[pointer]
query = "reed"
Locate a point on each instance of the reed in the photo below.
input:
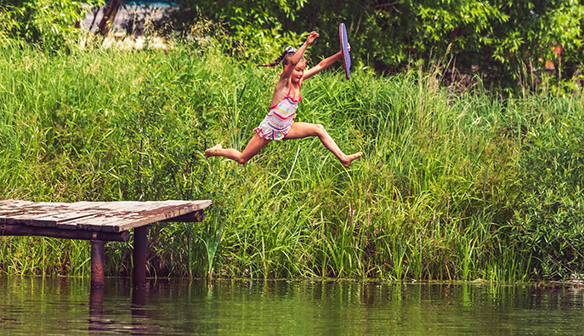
(437, 195)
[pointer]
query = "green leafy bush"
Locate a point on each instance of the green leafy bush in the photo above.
(48, 23)
(549, 224)
(495, 38)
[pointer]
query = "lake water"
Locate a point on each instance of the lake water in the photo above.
(66, 306)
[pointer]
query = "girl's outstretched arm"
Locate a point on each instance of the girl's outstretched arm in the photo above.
(325, 63)
(294, 59)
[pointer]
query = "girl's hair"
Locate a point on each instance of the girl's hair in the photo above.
(282, 59)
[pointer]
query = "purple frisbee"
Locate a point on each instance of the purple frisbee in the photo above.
(345, 50)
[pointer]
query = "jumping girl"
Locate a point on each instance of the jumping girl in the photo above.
(279, 123)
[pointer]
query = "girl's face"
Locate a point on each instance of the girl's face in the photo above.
(298, 72)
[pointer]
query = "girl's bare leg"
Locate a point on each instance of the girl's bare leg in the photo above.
(253, 147)
(303, 130)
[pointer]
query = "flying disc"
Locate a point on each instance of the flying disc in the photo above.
(345, 50)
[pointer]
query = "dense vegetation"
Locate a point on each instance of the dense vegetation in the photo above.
(451, 186)
(454, 184)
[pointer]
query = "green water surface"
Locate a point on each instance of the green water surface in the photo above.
(65, 306)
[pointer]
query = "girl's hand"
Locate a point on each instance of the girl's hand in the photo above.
(311, 37)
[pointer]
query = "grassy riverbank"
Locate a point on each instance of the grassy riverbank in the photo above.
(460, 186)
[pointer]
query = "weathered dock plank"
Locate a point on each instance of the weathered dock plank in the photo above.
(97, 216)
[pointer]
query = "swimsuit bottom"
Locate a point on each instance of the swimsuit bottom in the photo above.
(274, 126)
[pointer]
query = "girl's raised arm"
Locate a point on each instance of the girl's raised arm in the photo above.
(294, 59)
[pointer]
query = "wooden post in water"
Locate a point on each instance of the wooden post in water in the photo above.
(97, 263)
(139, 255)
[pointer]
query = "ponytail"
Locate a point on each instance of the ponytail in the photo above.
(289, 50)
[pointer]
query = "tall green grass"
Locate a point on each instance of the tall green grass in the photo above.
(442, 190)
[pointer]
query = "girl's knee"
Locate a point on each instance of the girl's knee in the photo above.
(319, 129)
(242, 159)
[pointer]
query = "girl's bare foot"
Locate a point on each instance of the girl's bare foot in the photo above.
(213, 150)
(346, 162)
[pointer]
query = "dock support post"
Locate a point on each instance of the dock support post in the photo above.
(97, 263)
(139, 255)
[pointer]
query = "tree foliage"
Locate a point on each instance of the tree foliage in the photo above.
(497, 37)
(493, 37)
(47, 22)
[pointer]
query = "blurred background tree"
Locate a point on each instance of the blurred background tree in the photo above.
(47, 23)
(501, 40)
(494, 37)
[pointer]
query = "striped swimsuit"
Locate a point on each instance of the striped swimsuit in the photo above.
(277, 123)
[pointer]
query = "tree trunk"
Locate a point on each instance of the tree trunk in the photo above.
(109, 14)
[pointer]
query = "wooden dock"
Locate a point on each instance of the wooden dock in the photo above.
(98, 222)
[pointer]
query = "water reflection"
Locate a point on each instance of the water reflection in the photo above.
(96, 309)
(70, 306)
(104, 319)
